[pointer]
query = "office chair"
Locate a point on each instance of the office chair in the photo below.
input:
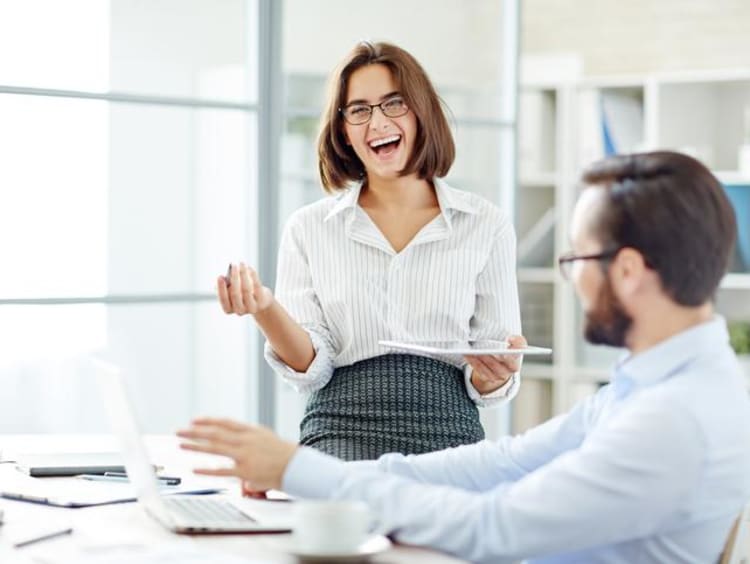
(735, 549)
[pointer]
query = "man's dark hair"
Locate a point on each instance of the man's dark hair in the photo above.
(670, 208)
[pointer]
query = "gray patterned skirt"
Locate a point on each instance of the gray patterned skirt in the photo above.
(392, 403)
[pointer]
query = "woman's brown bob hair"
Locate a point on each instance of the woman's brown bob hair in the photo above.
(434, 149)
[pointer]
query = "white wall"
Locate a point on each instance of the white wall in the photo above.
(615, 37)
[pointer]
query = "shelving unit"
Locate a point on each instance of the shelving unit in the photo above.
(563, 128)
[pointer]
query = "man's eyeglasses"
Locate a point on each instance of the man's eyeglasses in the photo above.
(566, 261)
(360, 113)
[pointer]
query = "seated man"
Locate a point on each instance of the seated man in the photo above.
(654, 467)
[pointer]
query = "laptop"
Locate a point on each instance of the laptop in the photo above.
(180, 514)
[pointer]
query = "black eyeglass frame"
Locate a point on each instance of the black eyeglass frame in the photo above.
(372, 107)
(567, 259)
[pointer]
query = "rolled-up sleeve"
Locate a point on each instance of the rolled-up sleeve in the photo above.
(497, 312)
(295, 292)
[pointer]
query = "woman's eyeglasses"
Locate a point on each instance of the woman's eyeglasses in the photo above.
(359, 113)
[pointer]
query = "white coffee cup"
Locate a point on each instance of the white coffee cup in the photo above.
(330, 527)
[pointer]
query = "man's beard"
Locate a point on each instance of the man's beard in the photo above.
(607, 323)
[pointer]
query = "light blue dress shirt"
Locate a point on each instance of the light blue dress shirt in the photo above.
(653, 468)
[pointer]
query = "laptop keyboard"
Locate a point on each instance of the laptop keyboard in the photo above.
(201, 510)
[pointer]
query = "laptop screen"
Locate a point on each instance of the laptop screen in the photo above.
(122, 419)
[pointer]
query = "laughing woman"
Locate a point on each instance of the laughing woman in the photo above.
(397, 254)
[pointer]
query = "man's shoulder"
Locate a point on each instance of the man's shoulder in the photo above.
(708, 392)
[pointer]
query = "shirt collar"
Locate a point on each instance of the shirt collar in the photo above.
(448, 199)
(662, 360)
(452, 199)
(346, 200)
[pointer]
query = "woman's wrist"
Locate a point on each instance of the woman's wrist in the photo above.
(484, 387)
(263, 314)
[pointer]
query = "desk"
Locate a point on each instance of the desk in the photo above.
(98, 529)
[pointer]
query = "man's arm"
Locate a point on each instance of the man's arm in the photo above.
(622, 483)
(484, 465)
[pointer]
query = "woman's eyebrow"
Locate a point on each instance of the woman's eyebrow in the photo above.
(384, 97)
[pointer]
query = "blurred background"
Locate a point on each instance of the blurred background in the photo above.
(144, 145)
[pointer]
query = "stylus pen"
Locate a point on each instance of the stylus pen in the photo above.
(104, 478)
(50, 535)
(169, 480)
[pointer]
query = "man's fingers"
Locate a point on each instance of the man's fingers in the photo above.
(208, 448)
(212, 436)
(217, 471)
(222, 422)
(249, 491)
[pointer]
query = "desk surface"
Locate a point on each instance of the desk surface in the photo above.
(98, 531)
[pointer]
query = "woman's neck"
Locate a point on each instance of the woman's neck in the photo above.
(408, 192)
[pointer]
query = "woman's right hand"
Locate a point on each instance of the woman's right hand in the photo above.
(241, 291)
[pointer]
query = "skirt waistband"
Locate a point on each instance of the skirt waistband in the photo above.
(391, 403)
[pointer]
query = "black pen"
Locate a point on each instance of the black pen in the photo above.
(50, 535)
(168, 480)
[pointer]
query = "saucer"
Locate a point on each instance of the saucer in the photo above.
(373, 545)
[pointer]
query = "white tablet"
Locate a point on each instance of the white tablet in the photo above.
(463, 348)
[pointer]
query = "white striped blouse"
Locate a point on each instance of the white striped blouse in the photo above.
(341, 280)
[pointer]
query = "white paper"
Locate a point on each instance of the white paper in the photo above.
(167, 553)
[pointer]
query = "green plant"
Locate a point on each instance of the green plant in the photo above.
(739, 336)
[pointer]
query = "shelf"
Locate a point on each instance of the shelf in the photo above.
(560, 131)
(736, 281)
(613, 82)
(544, 275)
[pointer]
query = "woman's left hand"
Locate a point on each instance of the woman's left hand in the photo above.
(490, 372)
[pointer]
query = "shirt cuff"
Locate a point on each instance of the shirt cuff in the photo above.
(502, 395)
(312, 474)
(317, 374)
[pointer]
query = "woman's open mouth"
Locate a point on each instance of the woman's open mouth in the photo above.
(386, 146)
